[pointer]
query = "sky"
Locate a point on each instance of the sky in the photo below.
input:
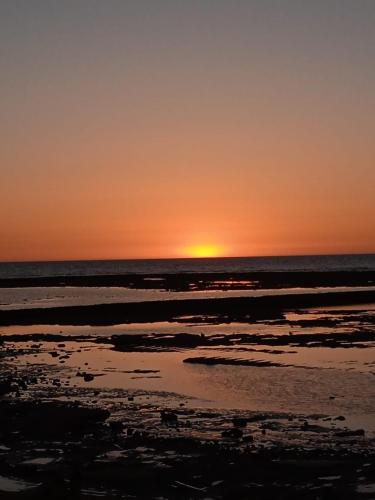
(160, 128)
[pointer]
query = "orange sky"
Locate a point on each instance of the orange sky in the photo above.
(129, 133)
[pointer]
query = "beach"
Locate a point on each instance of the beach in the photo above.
(262, 391)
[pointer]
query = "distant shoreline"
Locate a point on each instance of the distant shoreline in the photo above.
(185, 281)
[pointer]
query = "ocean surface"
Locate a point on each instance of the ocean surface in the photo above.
(358, 262)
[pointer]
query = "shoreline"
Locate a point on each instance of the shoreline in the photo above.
(163, 445)
(134, 415)
(245, 309)
(202, 280)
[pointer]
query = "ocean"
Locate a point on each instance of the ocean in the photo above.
(355, 262)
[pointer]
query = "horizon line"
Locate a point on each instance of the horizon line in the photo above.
(38, 261)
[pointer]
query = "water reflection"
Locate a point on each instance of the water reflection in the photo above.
(344, 388)
(36, 297)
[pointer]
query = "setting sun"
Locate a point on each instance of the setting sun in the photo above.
(204, 251)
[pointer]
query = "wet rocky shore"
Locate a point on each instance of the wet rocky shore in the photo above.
(245, 309)
(203, 281)
(59, 440)
(62, 442)
(64, 434)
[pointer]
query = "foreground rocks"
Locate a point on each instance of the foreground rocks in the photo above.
(123, 444)
(47, 420)
(62, 441)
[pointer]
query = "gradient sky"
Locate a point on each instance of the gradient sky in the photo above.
(134, 129)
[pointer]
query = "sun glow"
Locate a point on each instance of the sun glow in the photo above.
(204, 251)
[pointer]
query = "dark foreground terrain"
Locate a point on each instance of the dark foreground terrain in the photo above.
(63, 440)
(241, 309)
(183, 282)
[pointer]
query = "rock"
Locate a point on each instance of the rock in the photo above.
(22, 384)
(168, 417)
(116, 426)
(239, 422)
(6, 386)
(248, 439)
(349, 433)
(232, 433)
(50, 420)
(341, 418)
(87, 377)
